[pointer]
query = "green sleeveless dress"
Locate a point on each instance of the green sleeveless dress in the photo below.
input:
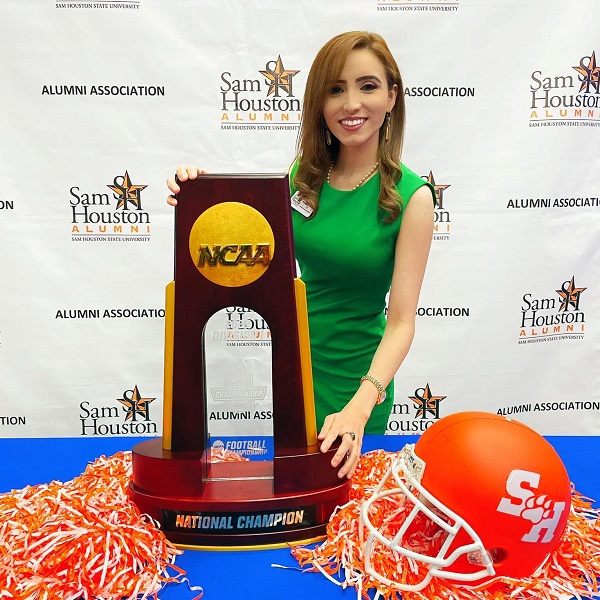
(346, 258)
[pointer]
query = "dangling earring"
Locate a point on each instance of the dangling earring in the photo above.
(327, 137)
(387, 127)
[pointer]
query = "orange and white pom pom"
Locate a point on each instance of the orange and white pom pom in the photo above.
(572, 570)
(83, 539)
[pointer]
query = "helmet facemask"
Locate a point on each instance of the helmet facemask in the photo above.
(425, 537)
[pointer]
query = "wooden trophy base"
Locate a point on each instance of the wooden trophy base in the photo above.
(240, 504)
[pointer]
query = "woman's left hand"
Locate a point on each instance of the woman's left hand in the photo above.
(349, 425)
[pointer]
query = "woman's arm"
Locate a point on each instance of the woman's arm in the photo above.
(412, 251)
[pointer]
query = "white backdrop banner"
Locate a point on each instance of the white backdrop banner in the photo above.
(101, 100)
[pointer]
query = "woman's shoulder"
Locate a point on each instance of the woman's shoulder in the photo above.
(410, 182)
(409, 178)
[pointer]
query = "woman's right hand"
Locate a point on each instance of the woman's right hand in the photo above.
(183, 173)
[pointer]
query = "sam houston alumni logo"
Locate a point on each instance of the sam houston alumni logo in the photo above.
(569, 97)
(262, 103)
(553, 318)
(130, 417)
(100, 216)
(441, 214)
(425, 409)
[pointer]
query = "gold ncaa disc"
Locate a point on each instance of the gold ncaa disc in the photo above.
(231, 244)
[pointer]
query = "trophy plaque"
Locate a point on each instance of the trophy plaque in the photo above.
(234, 247)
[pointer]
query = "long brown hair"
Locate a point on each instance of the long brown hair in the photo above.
(314, 155)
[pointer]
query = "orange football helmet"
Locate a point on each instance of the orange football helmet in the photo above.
(478, 496)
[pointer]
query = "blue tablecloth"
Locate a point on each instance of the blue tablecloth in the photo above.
(247, 575)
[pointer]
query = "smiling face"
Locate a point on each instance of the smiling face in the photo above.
(356, 105)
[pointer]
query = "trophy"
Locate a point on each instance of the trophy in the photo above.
(234, 247)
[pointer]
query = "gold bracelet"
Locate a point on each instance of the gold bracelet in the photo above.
(380, 389)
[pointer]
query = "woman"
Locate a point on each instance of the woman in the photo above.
(365, 229)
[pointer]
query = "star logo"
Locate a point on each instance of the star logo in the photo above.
(135, 405)
(426, 403)
(278, 78)
(589, 74)
(439, 190)
(569, 295)
(126, 192)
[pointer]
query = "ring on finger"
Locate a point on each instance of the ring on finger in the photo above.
(351, 434)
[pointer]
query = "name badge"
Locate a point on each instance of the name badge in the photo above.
(301, 206)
